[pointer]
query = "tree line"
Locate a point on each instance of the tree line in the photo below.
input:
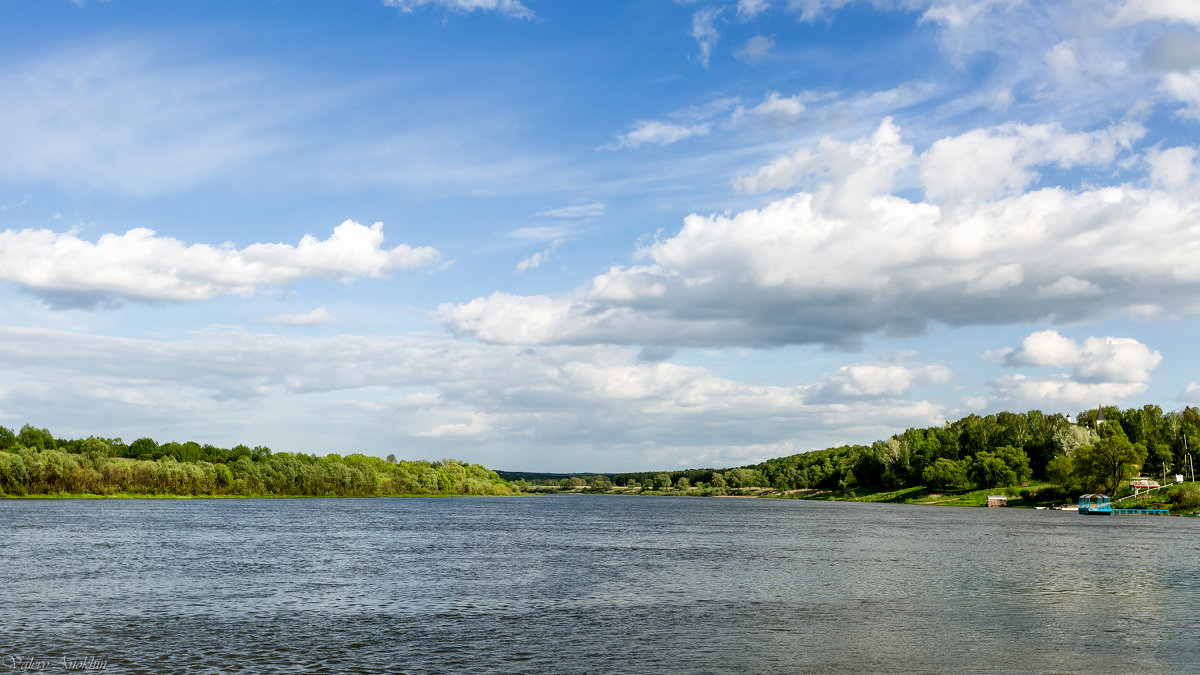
(33, 462)
(1095, 452)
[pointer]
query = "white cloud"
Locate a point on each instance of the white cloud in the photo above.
(592, 210)
(1097, 360)
(704, 30)
(564, 408)
(1103, 370)
(543, 232)
(1058, 393)
(881, 380)
(141, 265)
(997, 161)
(1182, 11)
(534, 261)
(848, 258)
(756, 49)
(512, 8)
(130, 118)
(1173, 169)
(314, 318)
(657, 132)
(845, 175)
(748, 9)
(1184, 88)
(776, 110)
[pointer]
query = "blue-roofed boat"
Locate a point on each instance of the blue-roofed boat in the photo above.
(1095, 505)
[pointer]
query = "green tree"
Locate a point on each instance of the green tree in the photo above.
(1016, 460)
(987, 470)
(683, 484)
(718, 480)
(944, 474)
(1061, 471)
(1114, 458)
(7, 438)
(143, 448)
(662, 481)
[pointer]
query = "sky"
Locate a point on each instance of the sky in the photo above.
(592, 236)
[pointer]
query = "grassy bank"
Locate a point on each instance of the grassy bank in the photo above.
(1182, 499)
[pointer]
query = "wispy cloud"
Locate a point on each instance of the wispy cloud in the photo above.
(104, 117)
(756, 49)
(314, 318)
(511, 8)
(704, 30)
(592, 210)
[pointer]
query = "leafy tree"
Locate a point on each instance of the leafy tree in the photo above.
(7, 438)
(34, 438)
(683, 483)
(1071, 437)
(1114, 458)
(987, 470)
(944, 474)
(1061, 471)
(718, 480)
(662, 481)
(143, 448)
(1017, 461)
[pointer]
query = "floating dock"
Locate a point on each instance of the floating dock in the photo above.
(1101, 505)
(1141, 512)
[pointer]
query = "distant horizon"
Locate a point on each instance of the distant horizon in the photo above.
(529, 233)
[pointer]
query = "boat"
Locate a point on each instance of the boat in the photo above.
(1095, 505)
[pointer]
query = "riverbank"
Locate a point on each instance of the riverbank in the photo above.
(1030, 496)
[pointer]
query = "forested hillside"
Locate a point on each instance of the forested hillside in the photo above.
(1004, 449)
(33, 462)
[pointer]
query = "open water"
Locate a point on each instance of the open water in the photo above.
(591, 584)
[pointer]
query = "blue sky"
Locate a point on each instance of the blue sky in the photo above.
(592, 236)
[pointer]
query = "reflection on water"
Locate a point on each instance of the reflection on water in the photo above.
(573, 583)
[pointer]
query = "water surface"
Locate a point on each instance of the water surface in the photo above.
(592, 584)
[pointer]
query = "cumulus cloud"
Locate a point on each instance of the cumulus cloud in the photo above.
(314, 318)
(996, 161)
(140, 265)
(1107, 359)
(1182, 11)
(512, 8)
(1103, 369)
(571, 407)
(848, 173)
(864, 381)
(849, 257)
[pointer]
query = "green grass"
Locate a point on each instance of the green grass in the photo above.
(136, 495)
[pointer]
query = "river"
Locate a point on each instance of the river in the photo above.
(590, 584)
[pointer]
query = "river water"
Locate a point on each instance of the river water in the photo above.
(591, 584)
